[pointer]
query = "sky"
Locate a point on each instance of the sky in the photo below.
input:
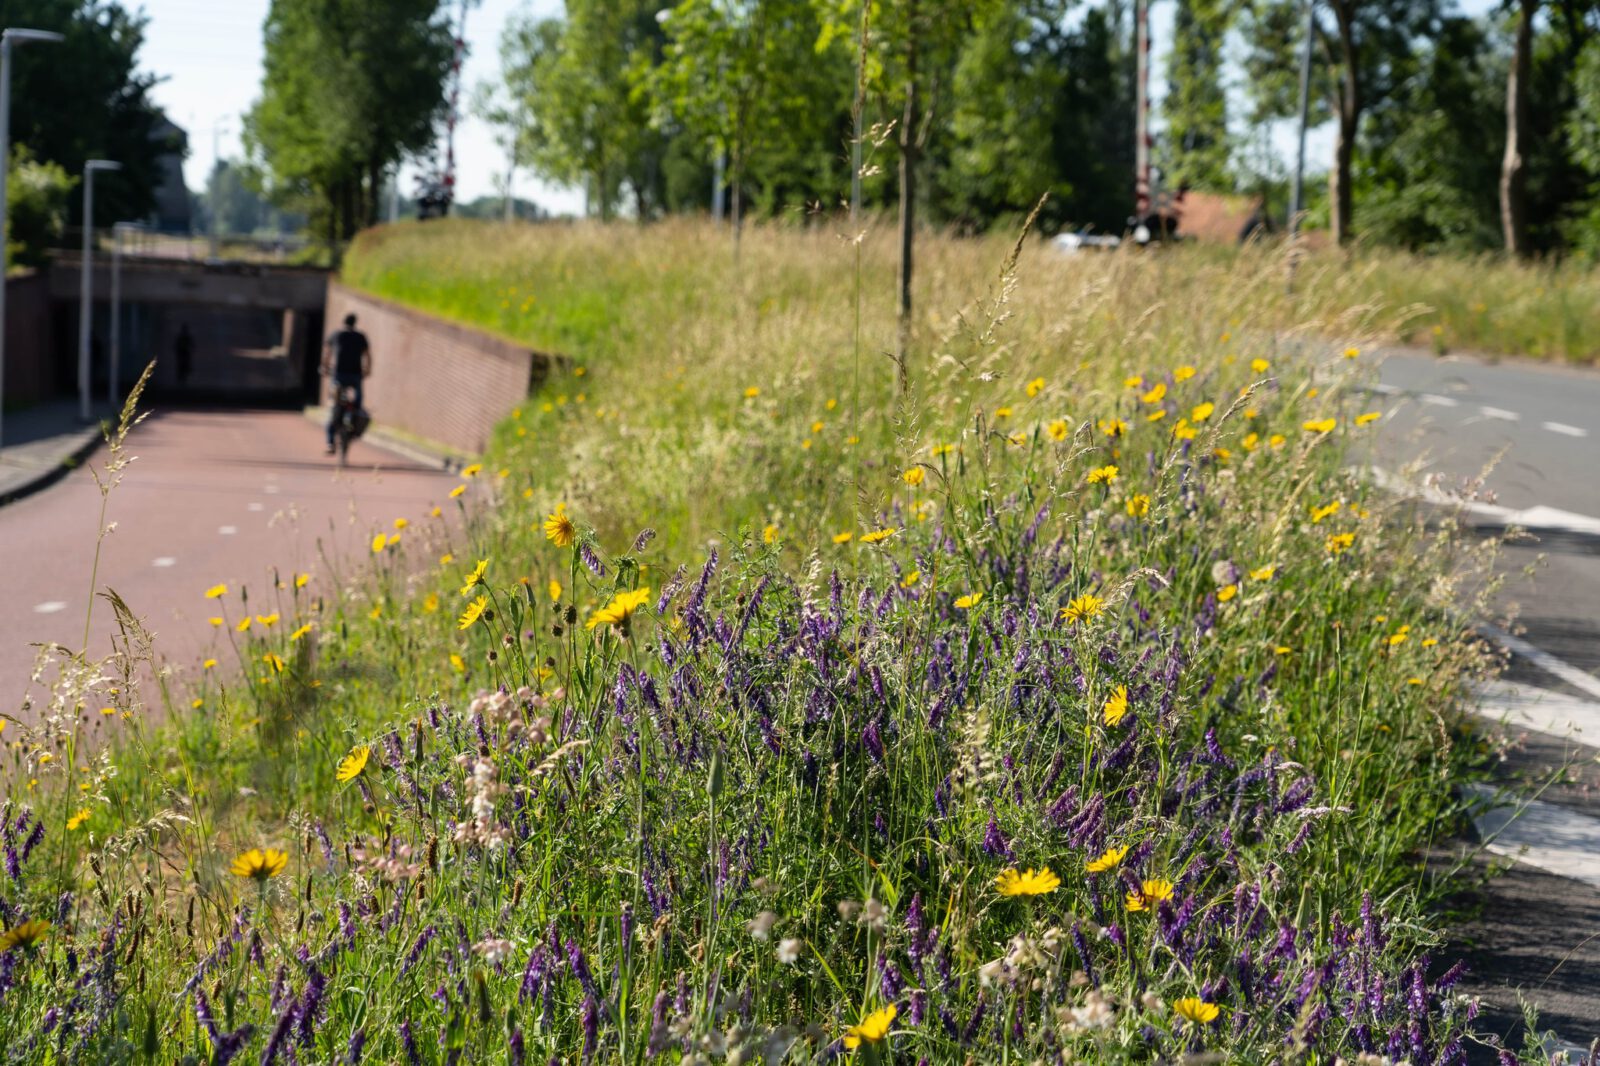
(209, 53)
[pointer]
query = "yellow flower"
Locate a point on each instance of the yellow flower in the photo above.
(817, 426)
(558, 528)
(1201, 412)
(379, 543)
(244, 625)
(1002, 412)
(457, 664)
(1183, 373)
(769, 535)
(1150, 893)
(1155, 395)
(216, 592)
(942, 449)
(878, 535)
(1276, 440)
(27, 935)
(430, 602)
(831, 404)
(1035, 387)
(1110, 859)
(1116, 708)
(619, 612)
(1263, 573)
(1138, 505)
(401, 523)
(1183, 430)
(554, 589)
(914, 476)
(1135, 382)
(1319, 425)
(1283, 649)
(1259, 366)
(215, 620)
(1113, 427)
(1368, 418)
(1196, 1010)
(301, 632)
(1351, 353)
(473, 612)
(871, 1029)
(1057, 429)
(436, 512)
(1157, 415)
(458, 490)
(1250, 441)
(843, 538)
(301, 581)
(1430, 642)
(1399, 636)
(1226, 593)
(77, 820)
(1319, 513)
(474, 579)
(1337, 543)
(267, 619)
(1102, 475)
(910, 579)
(259, 864)
(1027, 883)
(472, 471)
(273, 660)
(969, 601)
(1083, 608)
(208, 664)
(351, 765)
(752, 392)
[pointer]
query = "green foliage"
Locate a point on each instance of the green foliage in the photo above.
(1197, 148)
(351, 86)
(37, 195)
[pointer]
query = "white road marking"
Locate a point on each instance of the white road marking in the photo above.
(1580, 679)
(1531, 707)
(255, 507)
(1438, 401)
(49, 607)
(1556, 839)
(227, 531)
(1564, 429)
(164, 561)
(1387, 390)
(1501, 413)
(270, 490)
(1538, 518)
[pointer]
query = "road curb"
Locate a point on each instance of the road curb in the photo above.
(91, 439)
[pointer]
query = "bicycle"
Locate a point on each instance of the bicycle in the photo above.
(349, 423)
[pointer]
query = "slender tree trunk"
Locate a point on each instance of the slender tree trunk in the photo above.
(908, 195)
(374, 191)
(1348, 106)
(1513, 174)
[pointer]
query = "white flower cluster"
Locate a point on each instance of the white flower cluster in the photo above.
(493, 951)
(483, 789)
(1028, 962)
(504, 710)
(391, 868)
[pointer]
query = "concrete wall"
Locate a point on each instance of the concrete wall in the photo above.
(30, 340)
(435, 379)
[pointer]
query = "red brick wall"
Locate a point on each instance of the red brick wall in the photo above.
(435, 379)
(30, 340)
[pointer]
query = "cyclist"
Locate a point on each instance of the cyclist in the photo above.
(348, 360)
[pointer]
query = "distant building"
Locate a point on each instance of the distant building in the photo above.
(173, 212)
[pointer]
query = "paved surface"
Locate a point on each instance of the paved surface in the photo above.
(40, 444)
(1535, 429)
(220, 495)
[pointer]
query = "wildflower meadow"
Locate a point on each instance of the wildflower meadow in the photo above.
(1079, 702)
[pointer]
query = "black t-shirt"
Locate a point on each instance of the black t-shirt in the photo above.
(349, 345)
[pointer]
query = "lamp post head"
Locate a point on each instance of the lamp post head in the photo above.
(32, 37)
(93, 165)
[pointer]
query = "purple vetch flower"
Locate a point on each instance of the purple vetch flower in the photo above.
(1300, 838)
(1450, 978)
(873, 742)
(995, 842)
(227, 1046)
(1084, 958)
(514, 1047)
(591, 1027)
(310, 1008)
(586, 552)
(408, 1041)
(34, 839)
(890, 983)
(642, 541)
(917, 1010)
(280, 1033)
(415, 953)
(975, 1023)
(358, 1040)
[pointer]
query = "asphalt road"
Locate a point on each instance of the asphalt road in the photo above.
(215, 496)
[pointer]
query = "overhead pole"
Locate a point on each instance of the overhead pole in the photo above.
(1296, 199)
(1141, 111)
(114, 379)
(86, 283)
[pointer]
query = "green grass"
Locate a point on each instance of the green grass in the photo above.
(779, 802)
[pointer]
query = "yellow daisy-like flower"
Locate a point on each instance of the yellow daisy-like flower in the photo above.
(1112, 427)
(843, 538)
(1103, 475)
(817, 426)
(1134, 382)
(1156, 415)
(1338, 543)
(1351, 353)
(969, 601)
(871, 1029)
(1259, 366)
(456, 492)
(259, 864)
(1138, 505)
(752, 392)
(769, 535)
(1368, 418)
(26, 936)
(554, 589)
(1319, 513)
(1183, 430)
(302, 581)
(215, 620)
(430, 602)
(1196, 1010)
(401, 523)
(943, 449)
(379, 543)
(268, 619)
(558, 528)
(457, 664)
(473, 612)
(1201, 412)
(1155, 395)
(351, 765)
(1109, 859)
(1226, 593)
(208, 664)
(275, 661)
(1027, 882)
(77, 820)
(620, 611)
(474, 579)
(1083, 608)
(1116, 708)
(1183, 373)
(1002, 412)
(301, 632)
(1263, 573)
(1250, 442)
(1035, 387)
(1057, 429)
(878, 535)
(914, 476)
(911, 579)
(216, 592)
(472, 471)
(1277, 440)
(1150, 893)
(244, 624)
(1319, 425)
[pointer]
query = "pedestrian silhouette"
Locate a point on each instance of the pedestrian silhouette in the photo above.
(183, 354)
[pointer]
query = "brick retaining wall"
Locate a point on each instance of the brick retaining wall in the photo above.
(435, 379)
(30, 373)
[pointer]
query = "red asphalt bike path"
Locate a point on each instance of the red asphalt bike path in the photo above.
(236, 497)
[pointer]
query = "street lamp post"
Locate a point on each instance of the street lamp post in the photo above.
(7, 39)
(114, 382)
(1296, 198)
(86, 284)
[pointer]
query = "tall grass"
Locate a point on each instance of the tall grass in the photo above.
(1077, 704)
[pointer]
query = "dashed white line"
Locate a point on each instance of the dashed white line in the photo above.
(255, 507)
(1537, 518)
(1387, 390)
(1564, 429)
(1556, 839)
(227, 531)
(270, 490)
(1531, 707)
(49, 607)
(164, 561)
(1501, 413)
(1573, 676)
(1438, 401)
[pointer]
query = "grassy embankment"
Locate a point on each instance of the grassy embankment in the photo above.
(1094, 597)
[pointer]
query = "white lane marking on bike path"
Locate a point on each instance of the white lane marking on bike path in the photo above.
(1564, 429)
(1535, 518)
